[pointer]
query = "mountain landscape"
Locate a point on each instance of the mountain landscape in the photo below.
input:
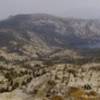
(45, 57)
(54, 31)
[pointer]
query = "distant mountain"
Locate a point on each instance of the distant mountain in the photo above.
(46, 31)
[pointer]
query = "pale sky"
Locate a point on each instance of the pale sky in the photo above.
(66, 8)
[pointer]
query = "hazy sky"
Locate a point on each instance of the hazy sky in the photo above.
(69, 8)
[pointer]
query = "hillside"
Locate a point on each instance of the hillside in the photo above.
(44, 57)
(53, 31)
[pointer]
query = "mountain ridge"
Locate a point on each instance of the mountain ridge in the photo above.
(51, 31)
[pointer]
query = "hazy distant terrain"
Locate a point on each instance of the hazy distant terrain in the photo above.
(43, 57)
(54, 31)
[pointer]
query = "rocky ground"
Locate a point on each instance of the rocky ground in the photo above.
(34, 80)
(43, 57)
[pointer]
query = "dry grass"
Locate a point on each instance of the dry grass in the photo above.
(80, 94)
(57, 97)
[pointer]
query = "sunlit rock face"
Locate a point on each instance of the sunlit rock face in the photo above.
(15, 95)
(56, 82)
